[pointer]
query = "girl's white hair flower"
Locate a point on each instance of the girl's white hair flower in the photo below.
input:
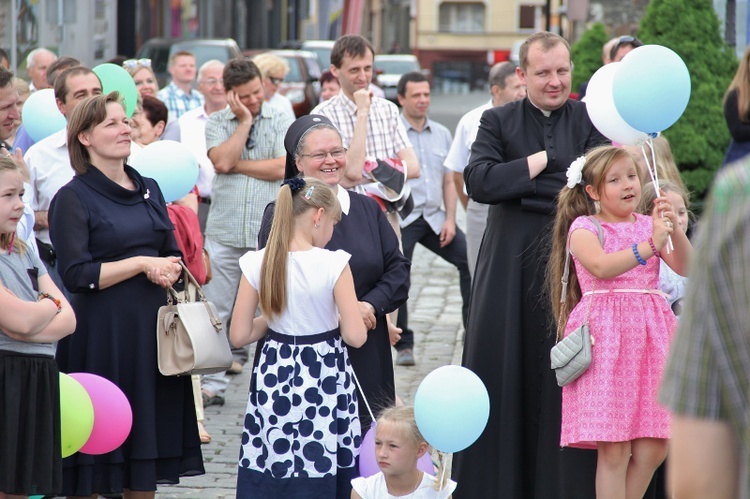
(575, 172)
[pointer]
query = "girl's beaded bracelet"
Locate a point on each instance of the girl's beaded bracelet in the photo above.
(48, 296)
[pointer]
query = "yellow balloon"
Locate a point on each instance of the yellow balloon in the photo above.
(76, 415)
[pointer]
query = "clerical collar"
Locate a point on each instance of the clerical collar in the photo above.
(546, 114)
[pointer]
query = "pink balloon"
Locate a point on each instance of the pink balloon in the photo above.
(368, 462)
(113, 417)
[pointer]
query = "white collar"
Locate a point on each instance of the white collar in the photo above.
(344, 199)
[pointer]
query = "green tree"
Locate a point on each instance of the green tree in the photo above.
(700, 137)
(587, 54)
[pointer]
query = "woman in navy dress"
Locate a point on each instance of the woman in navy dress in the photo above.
(117, 254)
(380, 270)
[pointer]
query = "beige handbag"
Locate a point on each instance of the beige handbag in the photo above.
(190, 338)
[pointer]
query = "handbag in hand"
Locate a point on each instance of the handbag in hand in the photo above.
(190, 338)
(571, 356)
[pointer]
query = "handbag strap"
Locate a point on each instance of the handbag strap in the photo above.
(566, 273)
(174, 297)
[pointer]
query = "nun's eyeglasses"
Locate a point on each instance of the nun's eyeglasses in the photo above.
(321, 156)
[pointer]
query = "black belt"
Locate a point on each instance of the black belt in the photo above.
(308, 339)
(204, 200)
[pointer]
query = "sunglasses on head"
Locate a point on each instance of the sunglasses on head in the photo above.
(622, 41)
(131, 63)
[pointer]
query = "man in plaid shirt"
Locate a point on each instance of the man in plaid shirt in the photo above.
(180, 96)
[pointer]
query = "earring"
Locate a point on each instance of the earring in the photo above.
(317, 226)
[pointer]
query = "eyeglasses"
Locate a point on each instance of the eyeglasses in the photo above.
(131, 63)
(321, 156)
(212, 82)
(250, 143)
(276, 81)
(624, 40)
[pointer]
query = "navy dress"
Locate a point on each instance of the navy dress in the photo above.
(381, 278)
(93, 220)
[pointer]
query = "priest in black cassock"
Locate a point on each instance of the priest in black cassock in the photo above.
(517, 165)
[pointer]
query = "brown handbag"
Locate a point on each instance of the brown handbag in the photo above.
(190, 337)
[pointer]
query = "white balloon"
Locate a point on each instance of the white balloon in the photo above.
(600, 105)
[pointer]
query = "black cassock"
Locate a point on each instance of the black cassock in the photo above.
(510, 330)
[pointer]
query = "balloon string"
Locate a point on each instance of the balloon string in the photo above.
(654, 173)
(442, 472)
(362, 393)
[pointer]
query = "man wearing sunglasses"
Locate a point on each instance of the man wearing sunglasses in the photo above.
(624, 45)
(245, 143)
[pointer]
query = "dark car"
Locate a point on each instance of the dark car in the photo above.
(159, 50)
(302, 84)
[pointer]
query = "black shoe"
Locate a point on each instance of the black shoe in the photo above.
(209, 400)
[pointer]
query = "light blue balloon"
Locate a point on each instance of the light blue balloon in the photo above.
(171, 164)
(451, 408)
(40, 115)
(651, 88)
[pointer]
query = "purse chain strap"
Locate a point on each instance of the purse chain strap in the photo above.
(566, 274)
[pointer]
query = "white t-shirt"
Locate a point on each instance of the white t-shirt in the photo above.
(310, 280)
(374, 487)
(282, 103)
(466, 132)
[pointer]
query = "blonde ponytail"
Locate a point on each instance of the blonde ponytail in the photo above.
(295, 198)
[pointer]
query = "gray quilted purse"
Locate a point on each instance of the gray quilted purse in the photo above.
(571, 356)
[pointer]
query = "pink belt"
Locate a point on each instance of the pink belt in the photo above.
(626, 290)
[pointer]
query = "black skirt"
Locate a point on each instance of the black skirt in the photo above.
(30, 447)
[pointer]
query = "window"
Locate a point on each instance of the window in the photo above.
(529, 17)
(461, 17)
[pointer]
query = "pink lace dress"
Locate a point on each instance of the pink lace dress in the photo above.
(615, 400)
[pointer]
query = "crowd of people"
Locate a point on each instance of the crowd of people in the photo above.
(310, 226)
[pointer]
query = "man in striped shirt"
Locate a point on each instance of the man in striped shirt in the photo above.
(370, 126)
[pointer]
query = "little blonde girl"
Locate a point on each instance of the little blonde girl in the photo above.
(613, 286)
(398, 447)
(672, 283)
(34, 314)
(302, 432)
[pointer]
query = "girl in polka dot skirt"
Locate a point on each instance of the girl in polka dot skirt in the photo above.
(302, 433)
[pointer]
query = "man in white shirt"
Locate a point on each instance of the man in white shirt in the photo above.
(192, 127)
(48, 160)
(37, 63)
(504, 87)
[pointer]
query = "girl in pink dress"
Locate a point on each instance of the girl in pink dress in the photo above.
(614, 286)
